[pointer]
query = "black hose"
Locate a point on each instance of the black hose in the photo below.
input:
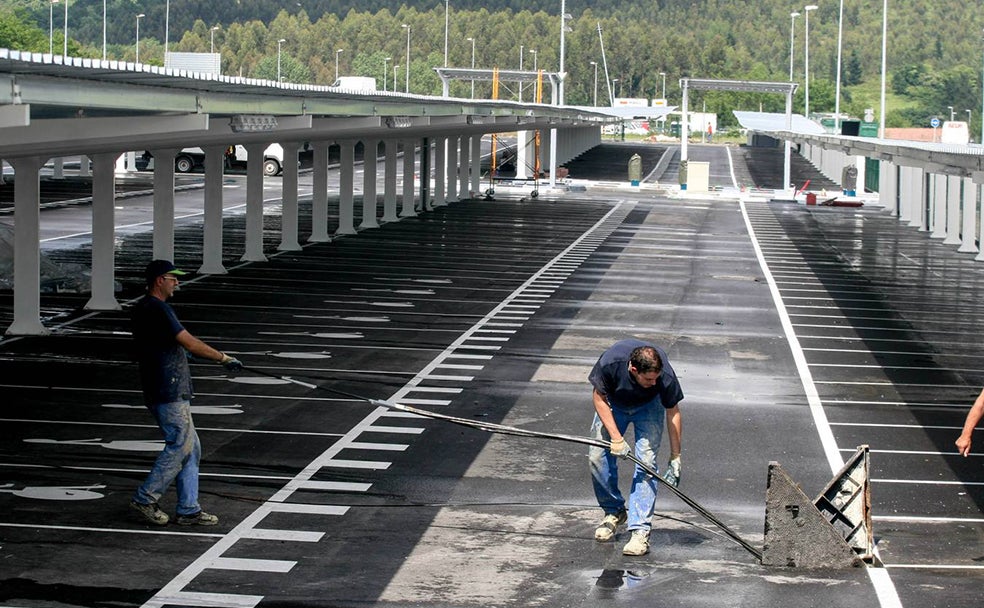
(510, 430)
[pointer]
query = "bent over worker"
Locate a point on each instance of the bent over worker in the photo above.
(162, 345)
(633, 384)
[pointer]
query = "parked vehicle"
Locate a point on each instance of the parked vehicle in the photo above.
(355, 83)
(191, 159)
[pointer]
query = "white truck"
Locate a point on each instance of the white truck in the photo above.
(355, 83)
(189, 159)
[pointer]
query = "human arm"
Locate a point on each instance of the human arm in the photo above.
(618, 447)
(202, 350)
(973, 417)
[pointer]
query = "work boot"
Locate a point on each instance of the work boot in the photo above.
(638, 544)
(151, 512)
(606, 529)
(198, 519)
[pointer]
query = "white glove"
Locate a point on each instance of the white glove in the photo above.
(672, 474)
(620, 448)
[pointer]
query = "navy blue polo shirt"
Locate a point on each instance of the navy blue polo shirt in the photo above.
(610, 377)
(164, 372)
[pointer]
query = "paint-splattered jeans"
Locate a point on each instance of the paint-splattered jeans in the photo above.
(177, 462)
(647, 423)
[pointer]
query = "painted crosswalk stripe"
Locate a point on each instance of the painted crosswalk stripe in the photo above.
(252, 565)
(301, 536)
(334, 486)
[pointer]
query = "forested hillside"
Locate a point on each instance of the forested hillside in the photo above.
(934, 46)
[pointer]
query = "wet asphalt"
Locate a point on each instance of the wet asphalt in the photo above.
(494, 311)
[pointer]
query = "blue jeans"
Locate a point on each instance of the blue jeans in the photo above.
(178, 461)
(647, 422)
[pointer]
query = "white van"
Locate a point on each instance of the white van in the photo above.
(189, 159)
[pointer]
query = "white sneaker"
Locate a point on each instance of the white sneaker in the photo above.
(638, 544)
(606, 529)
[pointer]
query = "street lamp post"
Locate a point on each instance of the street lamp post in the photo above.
(65, 35)
(279, 43)
(982, 100)
(337, 53)
(139, 17)
(663, 76)
(533, 52)
(884, 62)
(396, 67)
(447, 24)
(472, 40)
(952, 113)
(595, 64)
(211, 40)
(614, 82)
(521, 69)
(51, 26)
(406, 25)
(104, 30)
(385, 72)
(806, 104)
(792, 41)
(167, 26)
(837, 91)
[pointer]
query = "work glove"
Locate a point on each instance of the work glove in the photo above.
(672, 474)
(620, 448)
(231, 363)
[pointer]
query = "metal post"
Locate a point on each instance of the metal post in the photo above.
(139, 17)
(837, 93)
(881, 115)
(792, 41)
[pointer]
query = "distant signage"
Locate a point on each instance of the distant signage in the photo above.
(631, 102)
(934, 122)
(659, 103)
(955, 132)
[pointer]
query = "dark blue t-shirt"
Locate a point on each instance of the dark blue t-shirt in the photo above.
(164, 372)
(610, 377)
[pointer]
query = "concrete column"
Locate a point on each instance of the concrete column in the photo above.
(862, 166)
(463, 166)
(103, 280)
(887, 186)
(389, 182)
(476, 164)
(917, 192)
(58, 167)
(163, 247)
(84, 166)
(953, 198)
(905, 194)
(370, 150)
(346, 188)
(968, 231)
(212, 235)
(27, 248)
(409, 158)
(451, 175)
(440, 168)
(424, 169)
(319, 193)
(254, 205)
(288, 199)
(938, 206)
(523, 154)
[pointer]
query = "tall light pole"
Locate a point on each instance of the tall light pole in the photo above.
(663, 76)
(806, 105)
(407, 26)
(447, 24)
(279, 43)
(837, 88)
(884, 62)
(385, 72)
(167, 26)
(211, 36)
(792, 41)
(472, 40)
(104, 30)
(614, 82)
(952, 113)
(533, 52)
(337, 53)
(51, 26)
(139, 17)
(521, 69)
(595, 64)
(65, 35)
(396, 67)
(982, 100)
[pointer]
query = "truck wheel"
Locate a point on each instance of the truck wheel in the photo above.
(184, 164)
(271, 167)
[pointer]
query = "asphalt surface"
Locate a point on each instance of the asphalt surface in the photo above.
(495, 311)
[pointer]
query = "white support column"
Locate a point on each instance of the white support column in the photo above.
(523, 154)
(346, 187)
(476, 164)
(288, 199)
(906, 194)
(58, 168)
(440, 167)
(212, 234)
(131, 162)
(917, 188)
(463, 165)
(254, 205)
(319, 193)
(409, 158)
(938, 206)
(862, 165)
(84, 166)
(451, 175)
(953, 197)
(887, 186)
(163, 247)
(102, 278)
(389, 182)
(27, 248)
(370, 151)
(969, 230)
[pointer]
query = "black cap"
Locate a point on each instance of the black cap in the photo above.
(159, 267)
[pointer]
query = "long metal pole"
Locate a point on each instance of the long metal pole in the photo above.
(447, 24)
(595, 83)
(521, 69)
(982, 101)
(104, 30)
(51, 27)
(408, 59)
(806, 67)
(137, 49)
(792, 41)
(611, 95)
(65, 42)
(167, 28)
(837, 92)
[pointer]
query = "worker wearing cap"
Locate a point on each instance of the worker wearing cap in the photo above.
(633, 384)
(162, 348)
